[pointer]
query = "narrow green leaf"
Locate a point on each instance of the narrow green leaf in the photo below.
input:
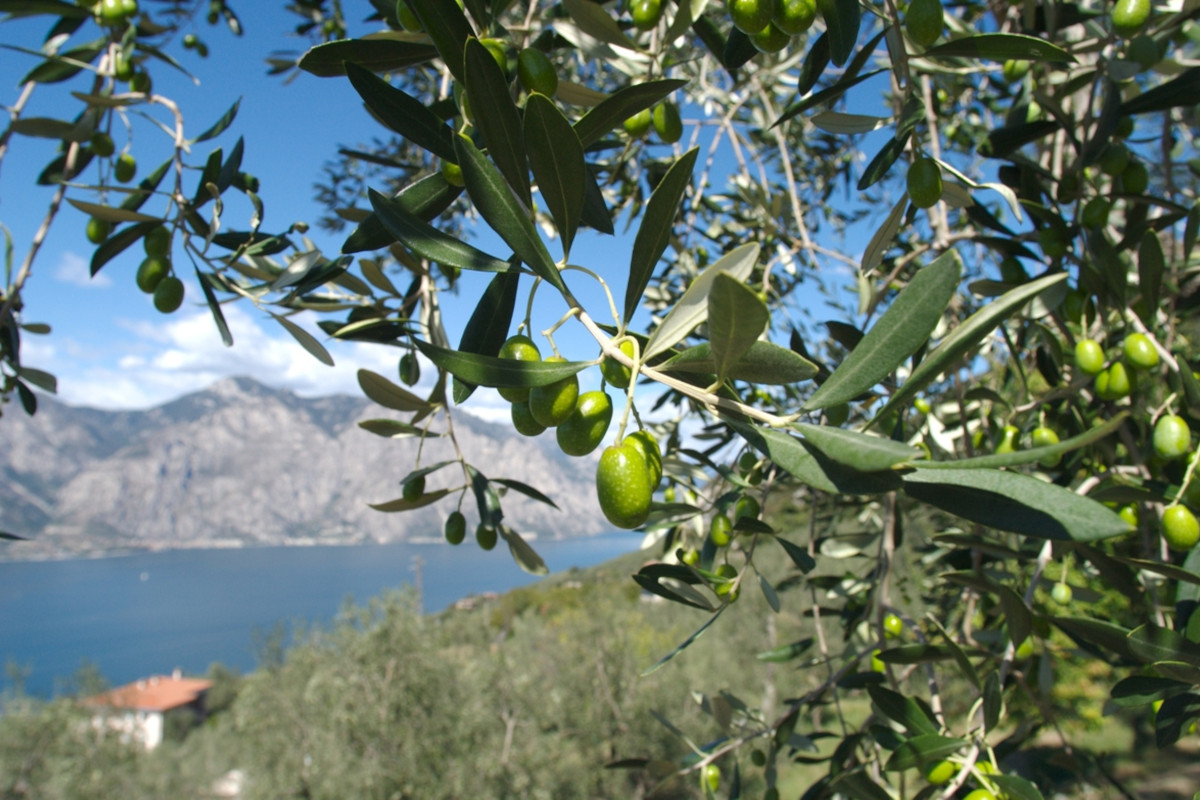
(736, 318)
(594, 20)
(993, 701)
(449, 29)
(1001, 47)
(619, 106)
(815, 62)
(491, 371)
(39, 378)
(810, 466)
(826, 95)
(688, 642)
(382, 54)
(858, 785)
(1015, 787)
(764, 362)
(1151, 265)
(305, 339)
(916, 654)
(46, 128)
(1164, 569)
(787, 652)
(904, 710)
(1180, 91)
(959, 655)
(903, 328)
(883, 160)
(1142, 690)
(803, 561)
(1150, 643)
(110, 213)
(650, 578)
(525, 489)
(387, 394)
(503, 211)
(655, 230)
(12, 537)
(556, 157)
(400, 504)
(964, 337)
(496, 117)
(842, 21)
(525, 556)
(923, 751)
(31, 8)
(769, 593)
(692, 307)
(221, 124)
(859, 451)
(392, 429)
(427, 241)
(58, 68)
(487, 328)
(1013, 502)
(214, 307)
(1020, 457)
(425, 199)
(1016, 614)
(595, 213)
(402, 113)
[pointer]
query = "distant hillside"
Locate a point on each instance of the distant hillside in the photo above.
(241, 463)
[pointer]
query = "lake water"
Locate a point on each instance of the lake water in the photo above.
(144, 614)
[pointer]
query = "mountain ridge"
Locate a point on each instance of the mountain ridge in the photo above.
(243, 464)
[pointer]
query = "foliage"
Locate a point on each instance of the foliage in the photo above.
(1051, 138)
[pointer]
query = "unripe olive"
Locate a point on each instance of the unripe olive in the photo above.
(1061, 594)
(1128, 16)
(151, 273)
(1180, 528)
(1089, 356)
(924, 182)
(1140, 351)
(552, 404)
(623, 485)
(924, 21)
(795, 16)
(1114, 383)
(523, 421)
(168, 295)
(486, 536)
(667, 123)
(617, 374)
(456, 527)
(751, 16)
(647, 445)
(1172, 437)
(98, 230)
(519, 348)
(581, 432)
(720, 531)
(645, 13)
(413, 489)
(125, 168)
(770, 39)
(638, 125)
(535, 71)
(1008, 439)
(1042, 436)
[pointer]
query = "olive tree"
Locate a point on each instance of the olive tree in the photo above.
(981, 472)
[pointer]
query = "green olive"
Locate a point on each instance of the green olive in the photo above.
(1008, 439)
(523, 421)
(893, 626)
(1089, 356)
(456, 527)
(413, 489)
(486, 536)
(1128, 16)
(151, 273)
(617, 374)
(168, 295)
(770, 39)
(795, 16)
(552, 404)
(646, 13)
(720, 531)
(746, 508)
(125, 168)
(1140, 351)
(1172, 437)
(581, 433)
(98, 230)
(924, 182)
(638, 125)
(924, 22)
(1061, 594)
(667, 124)
(647, 445)
(623, 485)
(1180, 528)
(1042, 436)
(751, 16)
(1136, 178)
(941, 772)
(519, 348)
(536, 73)
(1114, 383)
(102, 144)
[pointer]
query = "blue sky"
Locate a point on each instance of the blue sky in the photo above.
(109, 347)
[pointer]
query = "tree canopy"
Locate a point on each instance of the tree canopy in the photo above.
(981, 472)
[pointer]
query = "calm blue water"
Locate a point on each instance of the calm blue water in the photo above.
(138, 615)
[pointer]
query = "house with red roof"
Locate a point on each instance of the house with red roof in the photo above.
(137, 710)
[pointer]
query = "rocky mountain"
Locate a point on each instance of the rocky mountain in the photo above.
(244, 464)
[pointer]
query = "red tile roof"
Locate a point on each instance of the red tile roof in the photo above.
(156, 693)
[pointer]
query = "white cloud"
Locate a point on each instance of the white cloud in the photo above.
(184, 353)
(74, 270)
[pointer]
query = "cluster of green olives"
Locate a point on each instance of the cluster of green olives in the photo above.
(664, 118)
(114, 13)
(629, 472)
(154, 273)
(124, 166)
(1172, 435)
